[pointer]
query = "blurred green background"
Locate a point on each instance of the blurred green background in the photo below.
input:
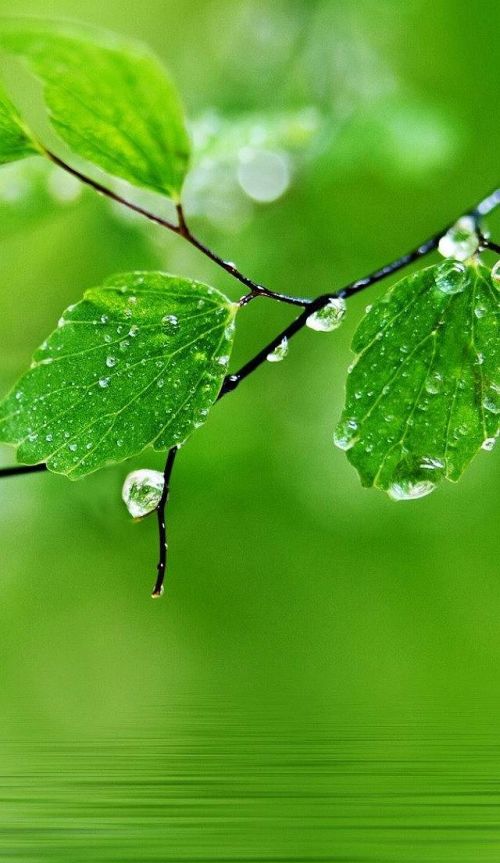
(309, 627)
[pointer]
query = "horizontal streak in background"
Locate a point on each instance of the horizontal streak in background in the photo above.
(235, 785)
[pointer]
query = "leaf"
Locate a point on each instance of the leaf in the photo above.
(15, 139)
(113, 104)
(423, 395)
(138, 361)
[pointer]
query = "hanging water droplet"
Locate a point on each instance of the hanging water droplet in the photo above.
(488, 444)
(142, 491)
(410, 490)
(329, 317)
(495, 274)
(103, 382)
(461, 241)
(110, 362)
(451, 278)
(279, 352)
(345, 434)
(411, 477)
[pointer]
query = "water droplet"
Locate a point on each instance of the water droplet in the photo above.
(131, 299)
(369, 308)
(103, 382)
(411, 480)
(461, 241)
(134, 329)
(410, 490)
(48, 438)
(73, 447)
(431, 463)
(61, 322)
(451, 278)
(480, 311)
(491, 404)
(110, 362)
(170, 320)
(279, 352)
(142, 491)
(488, 444)
(345, 434)
(160, 383)
(434, 383)
(223, 361)
(495, 273)
(104, 319)
(124, 345)
(329, 317)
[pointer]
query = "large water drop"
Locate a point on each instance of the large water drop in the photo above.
(279, 352)
(142, 491)
(461, 241)
(329, 317)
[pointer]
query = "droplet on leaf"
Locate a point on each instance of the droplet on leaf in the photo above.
(451, 278)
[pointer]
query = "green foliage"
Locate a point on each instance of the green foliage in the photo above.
(15, 139)
(423, 395)
(138, 361)
(113, 104)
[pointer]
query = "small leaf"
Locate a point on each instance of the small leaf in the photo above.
(15, 139)
(424, 393)
(115, 106)
(138, 361)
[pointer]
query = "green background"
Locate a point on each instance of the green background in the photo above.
(320, 680)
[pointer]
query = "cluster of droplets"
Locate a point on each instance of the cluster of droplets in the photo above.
(329, 317)
(142, 491)
(461, 242)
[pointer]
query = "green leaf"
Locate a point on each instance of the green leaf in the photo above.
(423, 395)
(113, 104)
(138, 361)
(15, 139)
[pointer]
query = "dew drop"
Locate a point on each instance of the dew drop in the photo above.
(329, 317)
(488, 444)
(110, 362)
(411, 490)
(142, 491)
(223, 361)
(434, 383)
(345, 434)
(451, 278)
(73, 447)
(279, 352)
(495, 273)
(134, 329)
(461, 241)
(170, 320)
(104, 319)
(103, 382)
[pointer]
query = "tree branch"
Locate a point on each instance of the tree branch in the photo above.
(162, 523)
(182, 230)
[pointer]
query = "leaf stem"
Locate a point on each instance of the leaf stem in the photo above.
(162, 523)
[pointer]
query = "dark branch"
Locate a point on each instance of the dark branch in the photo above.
(182, 230)
(162, 523)
(18, 469)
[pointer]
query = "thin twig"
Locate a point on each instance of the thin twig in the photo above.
(181, 229)
(162, 523)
